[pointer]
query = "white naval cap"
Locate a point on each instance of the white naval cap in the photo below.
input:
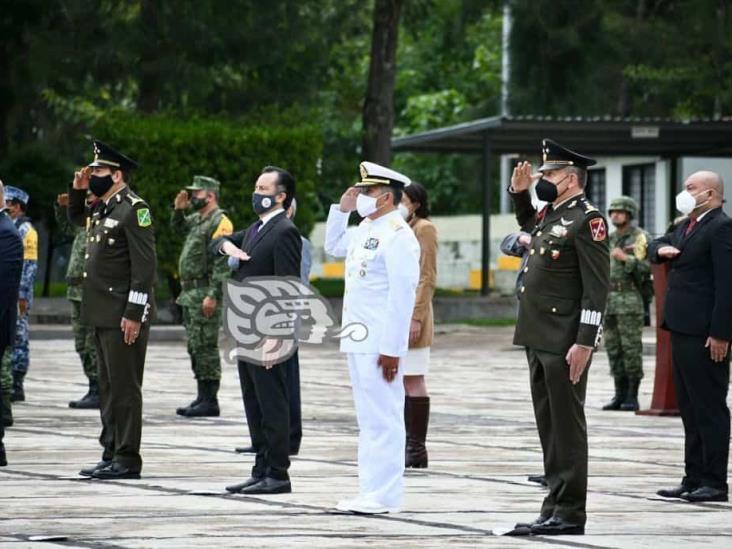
(373, 174)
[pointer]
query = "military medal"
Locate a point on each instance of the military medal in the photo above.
(558, 230)
(371, 244)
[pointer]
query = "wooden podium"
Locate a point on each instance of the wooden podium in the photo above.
(664, 394)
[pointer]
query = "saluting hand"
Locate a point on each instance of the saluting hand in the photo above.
(181, 201)
(81, 178)
(718, 348)
(389, 366)
(577, 357)
(348, 200)
(229, 248)
(522, 178)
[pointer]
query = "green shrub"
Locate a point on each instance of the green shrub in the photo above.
(171, 151)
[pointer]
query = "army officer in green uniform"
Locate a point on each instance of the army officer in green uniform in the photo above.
(623, 328)
(201, 277)
(563, 295)
(117, 301)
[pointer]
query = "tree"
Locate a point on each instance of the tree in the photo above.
(378, 107)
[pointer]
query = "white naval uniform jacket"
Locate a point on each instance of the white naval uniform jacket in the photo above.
(382, 273)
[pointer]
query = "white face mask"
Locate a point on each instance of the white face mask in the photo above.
(366, 205)
(686, 202)
(406, 214)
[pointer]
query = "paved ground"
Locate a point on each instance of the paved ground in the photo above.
(482, 444)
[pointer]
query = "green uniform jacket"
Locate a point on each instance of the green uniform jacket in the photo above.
(566, 278)
(75, 268)
(119, 271)
(201, 272)
(627, 276)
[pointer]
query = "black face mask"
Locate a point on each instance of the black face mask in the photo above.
(546, 190)
(263, 202)
(99, 185)
(198, 203)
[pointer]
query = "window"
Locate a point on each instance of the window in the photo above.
(595, 190)
(639, 182)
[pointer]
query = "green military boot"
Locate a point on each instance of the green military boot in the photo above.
(183, 410)
(18, 394)
(90, 401)
(630, 404)
(209, 404)
(6, 408)
(621, 389)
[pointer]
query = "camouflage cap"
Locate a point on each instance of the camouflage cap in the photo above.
(624, 204)
(202, 182)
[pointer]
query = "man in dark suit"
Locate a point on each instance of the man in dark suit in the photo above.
(270, 247)
(698, 313)
(11, 266)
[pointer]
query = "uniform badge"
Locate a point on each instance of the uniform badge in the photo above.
(565, 222)
(111, 223)
(143, 217)
(371, 244)
(558, 231)
(598, 229)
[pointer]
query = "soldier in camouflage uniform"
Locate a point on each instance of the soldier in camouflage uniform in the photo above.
(624, 319)
(201, 277)
(17, 358)
(83, 334)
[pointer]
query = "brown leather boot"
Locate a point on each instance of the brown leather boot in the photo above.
(416, 419)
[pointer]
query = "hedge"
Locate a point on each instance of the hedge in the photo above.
(171, 151)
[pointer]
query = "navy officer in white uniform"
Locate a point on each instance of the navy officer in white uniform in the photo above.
(382, 273)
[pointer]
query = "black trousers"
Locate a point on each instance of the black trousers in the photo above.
(701, 391)
(560, 419)
(270, 431)
(2, 427)
(120, 367)
(254, 414)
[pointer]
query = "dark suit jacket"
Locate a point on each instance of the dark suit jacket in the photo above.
(275, 251)
(11, 267)
(699, 292)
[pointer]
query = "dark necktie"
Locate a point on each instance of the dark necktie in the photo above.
(252, 234)
(543, 213)
(690, 227)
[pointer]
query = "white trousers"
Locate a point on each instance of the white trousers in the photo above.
(381, 438)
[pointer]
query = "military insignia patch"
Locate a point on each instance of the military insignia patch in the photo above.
(143, 217)
(371, 244)
(598, 229)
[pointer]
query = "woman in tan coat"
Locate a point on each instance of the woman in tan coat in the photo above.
(415, 209)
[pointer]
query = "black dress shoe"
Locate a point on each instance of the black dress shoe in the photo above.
(558, 527)
(538, 479)
(235, 488)
(268, 485)
(538, 520)
(3, 459)
(675, 492)
(115, 471)
(245, 450)
(89, 471)
(706, 493)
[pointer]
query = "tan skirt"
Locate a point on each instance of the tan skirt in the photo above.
(416, 362)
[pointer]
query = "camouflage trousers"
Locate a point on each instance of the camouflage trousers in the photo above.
(203, 342)
(84, 342)
(16, 357)
(624, 345)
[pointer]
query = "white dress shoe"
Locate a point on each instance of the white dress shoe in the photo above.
(363, 506)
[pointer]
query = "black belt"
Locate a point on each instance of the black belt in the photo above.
(192, 283)
(622, 286)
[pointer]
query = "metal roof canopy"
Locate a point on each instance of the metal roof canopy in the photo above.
(598, 136)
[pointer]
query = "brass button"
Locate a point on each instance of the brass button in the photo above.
(523, 289)
(111, 290)
(526, 269)
(532, 252)
(86, 256)
(554, 309)
(84, 275)
(538, 233)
